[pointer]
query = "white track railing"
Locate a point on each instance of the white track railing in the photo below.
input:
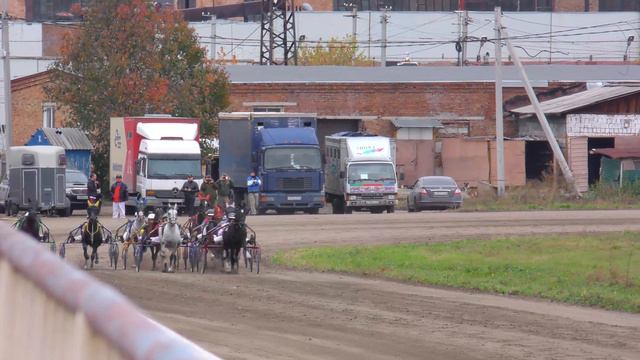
(51, 310)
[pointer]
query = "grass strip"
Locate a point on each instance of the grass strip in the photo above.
(601, 270)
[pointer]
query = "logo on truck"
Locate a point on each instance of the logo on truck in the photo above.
(366, 150)
(117, 139)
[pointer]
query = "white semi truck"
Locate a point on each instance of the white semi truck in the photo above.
(360, 173)
(155, 154)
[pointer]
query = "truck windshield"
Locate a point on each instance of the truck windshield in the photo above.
(292, 158)
(371, 172)
(174, 168)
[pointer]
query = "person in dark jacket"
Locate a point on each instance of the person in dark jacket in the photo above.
(209, 191)
(225, 190)
(189, 189)
(93, 187)
(119, 194)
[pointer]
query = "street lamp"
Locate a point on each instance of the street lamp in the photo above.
(626, 52)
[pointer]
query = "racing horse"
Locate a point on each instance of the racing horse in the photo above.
(92, 232)
(170, 238)
(132, 228)
(30, 224)
(234, 238)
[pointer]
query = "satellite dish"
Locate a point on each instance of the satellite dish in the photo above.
(307, 7)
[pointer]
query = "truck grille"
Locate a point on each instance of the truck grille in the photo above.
(295, 183)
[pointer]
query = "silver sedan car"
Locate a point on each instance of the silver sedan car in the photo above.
(434, 192)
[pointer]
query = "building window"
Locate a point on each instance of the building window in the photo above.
(268, 109)
(619, 5)
(48, 115)
(186, 4)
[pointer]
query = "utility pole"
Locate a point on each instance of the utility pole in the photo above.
(354, 29)
(212, 21)
(557, 152)
(465, 32)
(499, 114)
(384, 19)
(8, 138)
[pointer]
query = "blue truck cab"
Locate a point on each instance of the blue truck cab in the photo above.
(284, 151)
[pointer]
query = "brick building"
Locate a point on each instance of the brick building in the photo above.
(599, 118)
(442, 117)
(31, 110)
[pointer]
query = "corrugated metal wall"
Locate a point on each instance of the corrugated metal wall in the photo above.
(414, 158)
(579, 161)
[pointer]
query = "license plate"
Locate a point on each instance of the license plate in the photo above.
(441, 193)
(294, 198)
(82, 197)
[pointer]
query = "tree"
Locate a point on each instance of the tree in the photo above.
(129, 59)
(334, 52)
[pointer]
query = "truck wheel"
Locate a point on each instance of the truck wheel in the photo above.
(313, 211)
(337, 206)
(391, 209)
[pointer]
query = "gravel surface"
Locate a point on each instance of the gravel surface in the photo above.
(283, 314)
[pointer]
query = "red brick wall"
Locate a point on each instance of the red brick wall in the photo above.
(53, 36)
(27, 102)
(17, 9)
(574, 5)
(383, 100)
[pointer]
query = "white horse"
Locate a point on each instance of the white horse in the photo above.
(170, 238)
(132, 229)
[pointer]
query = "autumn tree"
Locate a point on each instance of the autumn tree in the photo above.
(332, 52)
(129, 59)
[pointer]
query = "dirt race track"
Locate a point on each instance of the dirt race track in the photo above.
(282, 314)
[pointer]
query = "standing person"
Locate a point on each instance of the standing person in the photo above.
(209, 190)
(93, 187)
(190, 189)
(225, 190)
(119, 194)
(253, 188)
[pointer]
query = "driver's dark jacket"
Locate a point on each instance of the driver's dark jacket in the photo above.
(190, 188)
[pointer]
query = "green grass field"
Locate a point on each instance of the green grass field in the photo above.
(600, 270)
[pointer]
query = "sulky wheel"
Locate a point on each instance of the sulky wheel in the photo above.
(257, 255)
(63, 250)
(203, 255)
(113, 254)
(137, 254)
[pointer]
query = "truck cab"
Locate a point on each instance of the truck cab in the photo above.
(284, 151)
(360, 173)
(290, 166)
(155, 154)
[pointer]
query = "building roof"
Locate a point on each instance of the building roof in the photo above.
(618, 153)
(538, 74)
(68, 138)
(416, 122)
(579, 100)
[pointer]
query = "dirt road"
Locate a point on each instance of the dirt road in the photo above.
(282, 314)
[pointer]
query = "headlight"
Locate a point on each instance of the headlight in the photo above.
(391, 197)
(151, 193)
(318, 198)
(264, 198)
(353, 197)
(68, 191)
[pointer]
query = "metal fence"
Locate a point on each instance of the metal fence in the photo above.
(51, 310)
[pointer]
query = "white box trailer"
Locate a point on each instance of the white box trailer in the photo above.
(360, 173)
(37, 179)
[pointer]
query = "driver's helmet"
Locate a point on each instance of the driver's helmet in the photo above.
(93, 201)
(151, 217)
(211, 213)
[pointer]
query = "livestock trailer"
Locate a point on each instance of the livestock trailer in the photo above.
(37, 179)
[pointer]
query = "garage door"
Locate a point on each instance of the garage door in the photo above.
(332, 126)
